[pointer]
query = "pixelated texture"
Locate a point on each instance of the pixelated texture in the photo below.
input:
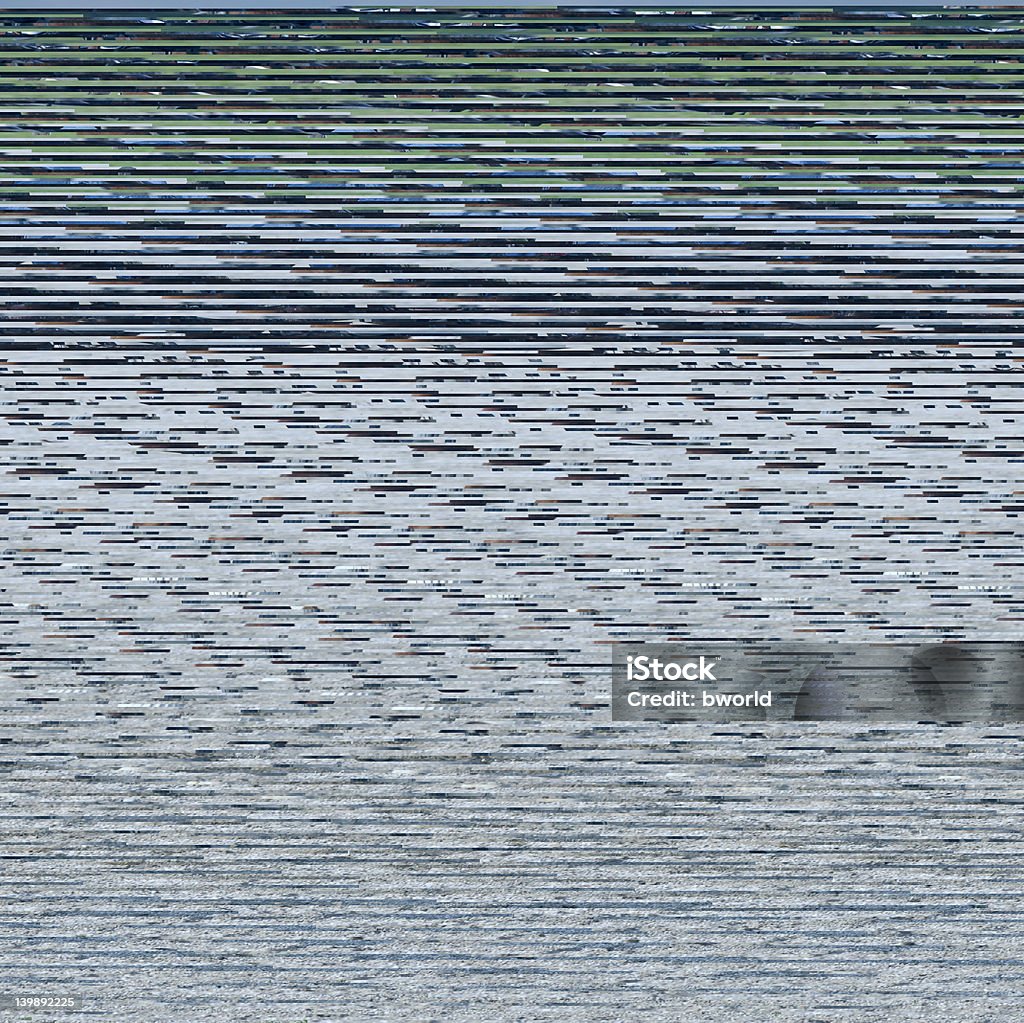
(366, 374)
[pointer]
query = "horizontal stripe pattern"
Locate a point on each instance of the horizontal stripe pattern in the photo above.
(364, 375)
(535, 177)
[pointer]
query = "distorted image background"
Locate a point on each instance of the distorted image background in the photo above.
(366, 374)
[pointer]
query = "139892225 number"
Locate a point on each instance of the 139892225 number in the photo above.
(29, 1001)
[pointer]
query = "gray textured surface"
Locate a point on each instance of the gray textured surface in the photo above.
(320, 522)
(259, 770)
(469, 867)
